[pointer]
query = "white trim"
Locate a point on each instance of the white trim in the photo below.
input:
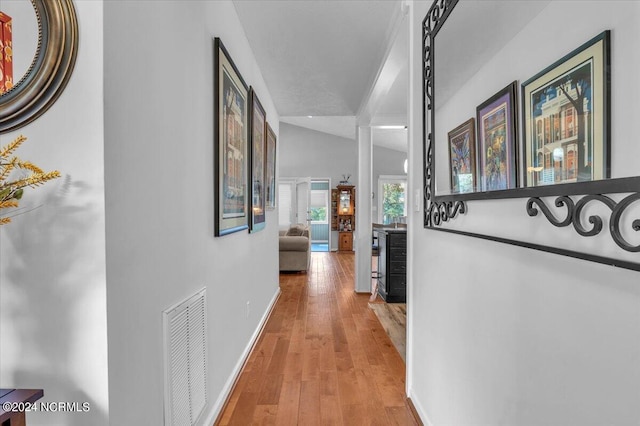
(228, 386)
(414, 183)
(421, 411)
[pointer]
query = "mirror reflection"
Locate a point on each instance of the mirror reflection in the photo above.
(18, 41)
(485, 46)
(474, 33)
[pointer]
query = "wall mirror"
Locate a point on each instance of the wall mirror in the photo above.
(44, 43)
(476, 54)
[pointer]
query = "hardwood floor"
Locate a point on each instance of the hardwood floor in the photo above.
(393, 317)
(322, 358)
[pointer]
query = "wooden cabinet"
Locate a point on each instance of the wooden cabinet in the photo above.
(343, 215)
(392, 265)
(345, 241)
(334, 209)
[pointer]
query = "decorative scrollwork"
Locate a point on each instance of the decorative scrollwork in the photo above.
(435, 212)
(574, 216)
(438, 213)
(614, 224)
(560, 202)
(595, 220)
(436, 15)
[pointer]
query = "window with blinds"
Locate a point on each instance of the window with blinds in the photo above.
(319, 208)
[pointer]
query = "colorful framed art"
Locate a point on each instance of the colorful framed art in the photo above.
(258, 152)
(462, 157)
(566, 117)
(231, 118)
(497, 141)
(270, 172)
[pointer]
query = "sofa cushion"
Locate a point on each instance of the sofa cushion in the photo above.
(296, 243)
(296, 230)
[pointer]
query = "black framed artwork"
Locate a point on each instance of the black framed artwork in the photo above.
(270, 172)
(497, 141)
(231, 130)
(258, 153)
(566, 117)
(462, 157)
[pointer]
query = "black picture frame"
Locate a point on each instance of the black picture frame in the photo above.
(258, 151)
(462, 157)
(270, 171)
(497, 136)
(566, 118)
(231, 155)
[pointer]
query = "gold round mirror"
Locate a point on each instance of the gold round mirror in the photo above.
(29, 93)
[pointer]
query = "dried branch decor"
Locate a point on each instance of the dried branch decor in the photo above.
(11, 190)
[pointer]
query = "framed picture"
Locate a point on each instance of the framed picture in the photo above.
(258, 152)
(231, 119)
(497, 144)
(567, 114)
(462, 157)
(270, 173)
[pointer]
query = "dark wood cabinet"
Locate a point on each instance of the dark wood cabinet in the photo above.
(392, 265)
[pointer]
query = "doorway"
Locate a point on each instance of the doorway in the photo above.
(293, 201)
(319, 213)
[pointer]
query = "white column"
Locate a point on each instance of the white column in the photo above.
(362, 234)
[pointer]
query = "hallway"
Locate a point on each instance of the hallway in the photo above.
(322, 358)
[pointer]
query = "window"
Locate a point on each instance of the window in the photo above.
(318, 210)
(392, 201)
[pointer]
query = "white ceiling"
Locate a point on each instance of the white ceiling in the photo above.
(320, 58)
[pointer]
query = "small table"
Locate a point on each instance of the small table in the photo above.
(17, 418)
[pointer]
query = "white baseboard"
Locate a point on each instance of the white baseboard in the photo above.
(420, 409)
(228, 386)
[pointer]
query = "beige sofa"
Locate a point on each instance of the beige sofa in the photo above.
(295, 248)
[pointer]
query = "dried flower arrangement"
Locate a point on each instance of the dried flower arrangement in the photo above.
(11, 191)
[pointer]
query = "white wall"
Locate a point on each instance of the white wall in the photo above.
(52, 260)
(387, 162)
(513, 336)
(304, 152)
(159, 199)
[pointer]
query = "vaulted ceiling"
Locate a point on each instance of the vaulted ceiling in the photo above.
(320, 58)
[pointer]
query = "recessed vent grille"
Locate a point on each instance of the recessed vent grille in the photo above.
(185, 361)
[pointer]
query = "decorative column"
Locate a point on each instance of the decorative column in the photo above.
(362, 235)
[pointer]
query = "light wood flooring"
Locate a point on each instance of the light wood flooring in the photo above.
(393, 317)
(323, 357)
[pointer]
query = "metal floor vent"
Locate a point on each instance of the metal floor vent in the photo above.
(185, 361)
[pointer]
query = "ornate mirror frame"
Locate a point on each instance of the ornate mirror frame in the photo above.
(50, 70)
(570, 198)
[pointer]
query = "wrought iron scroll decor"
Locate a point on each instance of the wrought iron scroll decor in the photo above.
(571, 199)
(574, 216)
(435, 212)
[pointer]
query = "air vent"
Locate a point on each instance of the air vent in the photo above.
(185, 361)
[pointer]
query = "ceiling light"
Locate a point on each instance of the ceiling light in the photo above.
(390, 127)
(309, 116)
